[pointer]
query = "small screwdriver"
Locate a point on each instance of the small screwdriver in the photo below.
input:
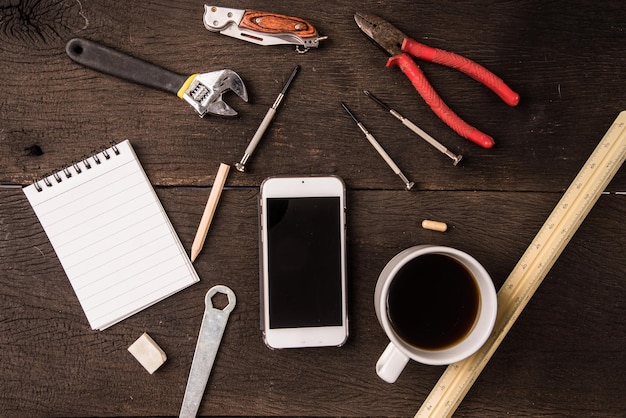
(241, 165)
(432, 141)
(379, 149)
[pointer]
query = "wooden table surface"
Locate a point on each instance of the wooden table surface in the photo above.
(565, 356)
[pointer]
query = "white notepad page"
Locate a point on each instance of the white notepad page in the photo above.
(111, 234)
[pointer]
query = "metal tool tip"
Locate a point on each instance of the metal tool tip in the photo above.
(349, 112)
(366, 22)
(240, 167)
(291, 77)
(409, 184)
(377, 100)
(358, 17)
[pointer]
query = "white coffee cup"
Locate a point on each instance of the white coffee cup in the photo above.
(479, 326)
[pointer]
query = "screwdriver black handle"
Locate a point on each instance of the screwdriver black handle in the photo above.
(112, 62)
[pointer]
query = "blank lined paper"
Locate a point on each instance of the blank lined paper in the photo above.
(111, 234)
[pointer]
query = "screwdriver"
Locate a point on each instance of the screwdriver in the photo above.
(241, 165)
(379, 149)
(432, 141)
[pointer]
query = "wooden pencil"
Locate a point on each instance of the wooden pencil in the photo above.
(209, 210)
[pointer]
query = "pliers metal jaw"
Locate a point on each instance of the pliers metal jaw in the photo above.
(402, 48)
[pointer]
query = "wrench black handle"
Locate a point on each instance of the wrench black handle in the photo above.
(110, 61)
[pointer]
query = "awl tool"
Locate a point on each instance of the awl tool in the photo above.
(262, 28)
(202, 91)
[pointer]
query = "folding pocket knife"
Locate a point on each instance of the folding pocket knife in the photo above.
(262, 28)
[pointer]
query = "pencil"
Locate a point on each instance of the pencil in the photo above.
(209, 210)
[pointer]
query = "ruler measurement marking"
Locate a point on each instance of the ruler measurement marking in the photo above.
(533, 266)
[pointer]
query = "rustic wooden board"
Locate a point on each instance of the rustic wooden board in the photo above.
(567, 60)
(562, 357)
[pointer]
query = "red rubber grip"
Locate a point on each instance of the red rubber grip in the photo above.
(464, 65)
(424, 88)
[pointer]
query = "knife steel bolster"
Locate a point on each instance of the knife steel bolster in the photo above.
(217, 18)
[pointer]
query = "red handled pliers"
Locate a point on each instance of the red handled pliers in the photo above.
(401, 48)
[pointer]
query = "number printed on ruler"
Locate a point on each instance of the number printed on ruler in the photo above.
(533, 266)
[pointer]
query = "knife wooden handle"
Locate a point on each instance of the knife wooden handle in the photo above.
(274, 23)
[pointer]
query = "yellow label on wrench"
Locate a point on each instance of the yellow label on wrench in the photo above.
(186, 85)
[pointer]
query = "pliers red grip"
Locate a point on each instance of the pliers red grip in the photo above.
(402, 48)
(430, 96)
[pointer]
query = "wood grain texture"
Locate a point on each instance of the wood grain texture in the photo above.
(266, 22)
(565, 355)
(566, 63)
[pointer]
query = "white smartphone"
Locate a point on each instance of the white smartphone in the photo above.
(303, 262)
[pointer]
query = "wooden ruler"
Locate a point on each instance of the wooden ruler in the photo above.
(533, 267)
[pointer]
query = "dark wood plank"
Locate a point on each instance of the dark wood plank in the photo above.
(562, 357)
(566, 60)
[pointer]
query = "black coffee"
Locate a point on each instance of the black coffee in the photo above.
(433, 302)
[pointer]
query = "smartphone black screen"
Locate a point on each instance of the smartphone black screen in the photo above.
(304, 262)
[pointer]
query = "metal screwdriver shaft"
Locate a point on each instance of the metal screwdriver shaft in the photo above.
(432, 141)
(241, 165)
(379, 149)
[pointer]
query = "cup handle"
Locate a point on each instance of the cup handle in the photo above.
(391, 363)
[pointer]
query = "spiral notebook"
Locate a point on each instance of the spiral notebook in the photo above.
(111, 234)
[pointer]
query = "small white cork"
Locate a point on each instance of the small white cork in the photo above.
(148, 353)
(434, 225)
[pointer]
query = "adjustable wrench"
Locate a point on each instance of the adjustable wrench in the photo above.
(202, 91)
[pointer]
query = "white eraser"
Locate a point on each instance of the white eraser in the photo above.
(148, 353)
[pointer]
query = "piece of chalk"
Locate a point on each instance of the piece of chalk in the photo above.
(148, 353)
(434, 225)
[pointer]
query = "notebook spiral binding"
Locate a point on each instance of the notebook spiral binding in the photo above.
(57, 175)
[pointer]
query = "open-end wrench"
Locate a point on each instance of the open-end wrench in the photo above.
(209, 338)
(202, 91)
